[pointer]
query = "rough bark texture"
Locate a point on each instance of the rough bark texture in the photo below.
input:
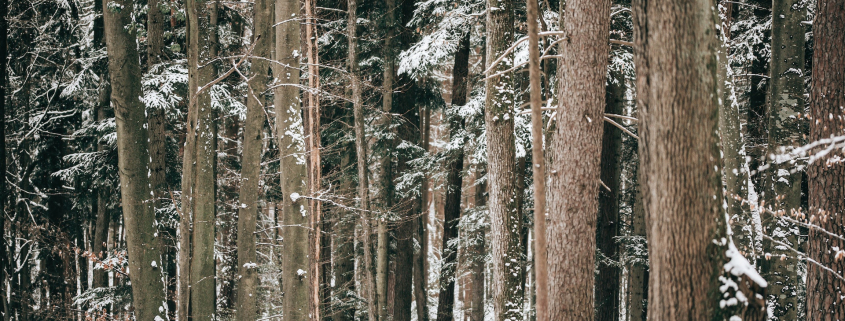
(385, 174)
(133, 162)
(827, 179)
(680, 179)
(474, 306)
(296, 281)
(421, 256)
(454, 179)
(505, 221)
(607, 229)
(782, 182)
(202, 201)
(575, 148)
(637, 273)
(262, 36)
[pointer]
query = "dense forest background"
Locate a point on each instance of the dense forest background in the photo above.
(389, 160)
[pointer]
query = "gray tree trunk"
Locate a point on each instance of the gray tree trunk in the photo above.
(133, 162)
(296, 282)
(262, 35)
(782, 182)
(201, 202)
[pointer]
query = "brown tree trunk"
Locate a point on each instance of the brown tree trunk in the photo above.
(680, 177)
(421, 256)
(133, 162)
(575, 148)
(827, 177)
(505, 223)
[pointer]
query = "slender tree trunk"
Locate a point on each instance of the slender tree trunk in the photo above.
(421, 256)
(782, 183)
(678, 153)
(296, 281)
(157, 123)
(344, 255)
(733, 145)
(311, 105)
(505, 222)
(607, 228)
(827, 176)
(575, 161)
(133, 162)
(637, 272)
(361, 155)
(4, 256)
(262, 36)
(385, 175)
(454, 179)
(476, 250)
(201, 41)
(541, 267)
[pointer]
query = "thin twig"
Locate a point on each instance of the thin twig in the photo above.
(607, 119)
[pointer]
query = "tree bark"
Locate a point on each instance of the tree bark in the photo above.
(361, 155)
(505, 222)
(421, 256)
(637, 272)
(541, 268)
(608, 279)
(782, 182)
(133, 162)
(826, 176)
(296, 281)
(202, 201)
(678, 113)
(262, 37)
(454, 180)
(575, 162)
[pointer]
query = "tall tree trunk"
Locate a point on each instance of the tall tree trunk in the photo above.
(827, 176)
(202, 201)
(575, 161)
(4, 256)
(157, 123)
(296, 281)
(421, 256)
(385, 174)
(454, 179)
(476, 250)
(311, 118)
(782, 182)
(607, 228)
(541, 268)
(505, 223)
(678, 112)
(361, 158)
(262, 36)
(730, 135)
(133, 162)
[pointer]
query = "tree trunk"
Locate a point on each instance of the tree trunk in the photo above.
(262, 37)
(782, 182)
(476, 250)
(454, 179)
(201, 41)
(541, 267)
(361, 155)
(575, 161)
(637, 272)
(421, 256)
(827, 176)
(296, 282)
(607, 228)
(133, 162)
(311, 103)
(505, 223)
(733, 145)
(678, 113)
(385, 175)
